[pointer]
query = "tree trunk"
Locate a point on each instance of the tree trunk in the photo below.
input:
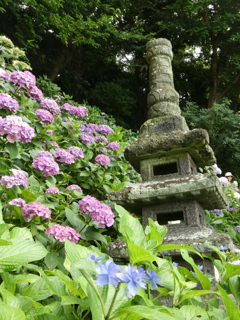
(64, 58)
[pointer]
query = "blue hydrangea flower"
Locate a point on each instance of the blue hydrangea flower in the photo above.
(175, 264)
(153, 279)
(92, 257)
(222, 248)
(134, 277)
(107, 272)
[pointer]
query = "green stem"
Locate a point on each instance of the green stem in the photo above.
(113, 301)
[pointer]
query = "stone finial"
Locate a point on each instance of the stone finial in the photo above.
(162, 99)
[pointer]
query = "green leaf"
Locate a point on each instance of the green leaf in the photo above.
(12, 150)
(193, 293)
(20, 253)
(130, 227)
(138, 254)
(96, 305)
(5, 243)
(28, 195)
(166, 247)
(38, 290)
(154, 231)
(9, 298)
(231, 270)
(192, 312)
(234, 286)
(33, 184)
(146, 312)
(10, 313)
(51, 259)
(68, 300)
(205, 282)
(231, 309)
(20, 233)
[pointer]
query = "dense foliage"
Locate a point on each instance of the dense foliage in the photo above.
(223, 126)
(58, 162)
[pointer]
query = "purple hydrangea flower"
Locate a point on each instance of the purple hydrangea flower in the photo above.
(45, 116)
(49, 131)
(237, 229)
(45, 163)
(64, 156)
(217, 212)
(134, 277)
(19, 202)
(77, 111)
(16, 129)
(99, 212)
(62, 233)
(35, 93)
(87, 139)
(105, 129)
(113, 145)
(54, 190)
(101, 139)
(216, 169)
(107, 273)
(8, 103)
(35, 209)
(224, 181)
(102, 159)
(74, 187)
(17, 179)
(175, 264)
(76, 152)
(93, 127)
(50, 105)
(23, 79)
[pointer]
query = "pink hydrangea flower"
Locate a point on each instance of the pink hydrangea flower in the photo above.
(49, 131)
(8, 103)
(99, 212)
(50, 105)
(35, 209)
(101, 139)
(62, 233)
(17, 179)
(64, 156)
(19, 202)
(77, 111)
(16, 129)
(74, 187)
(102, 159)
(87, 139)
(45, 116)
(23, 79)
(35, 93)
(76, 152)
(54, 190)
(4, 75)
(93, 127)
(45, 163)
(105, 129)
(113, 145)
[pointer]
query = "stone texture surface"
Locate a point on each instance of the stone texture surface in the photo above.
(194, 142)
(206, 189)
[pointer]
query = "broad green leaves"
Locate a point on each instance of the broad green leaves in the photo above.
(20, 253)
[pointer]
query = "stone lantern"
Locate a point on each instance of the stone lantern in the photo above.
(167, 155)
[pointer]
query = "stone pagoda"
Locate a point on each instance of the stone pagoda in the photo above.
(167, 155)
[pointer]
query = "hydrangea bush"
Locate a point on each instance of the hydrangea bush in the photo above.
(59, 161)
